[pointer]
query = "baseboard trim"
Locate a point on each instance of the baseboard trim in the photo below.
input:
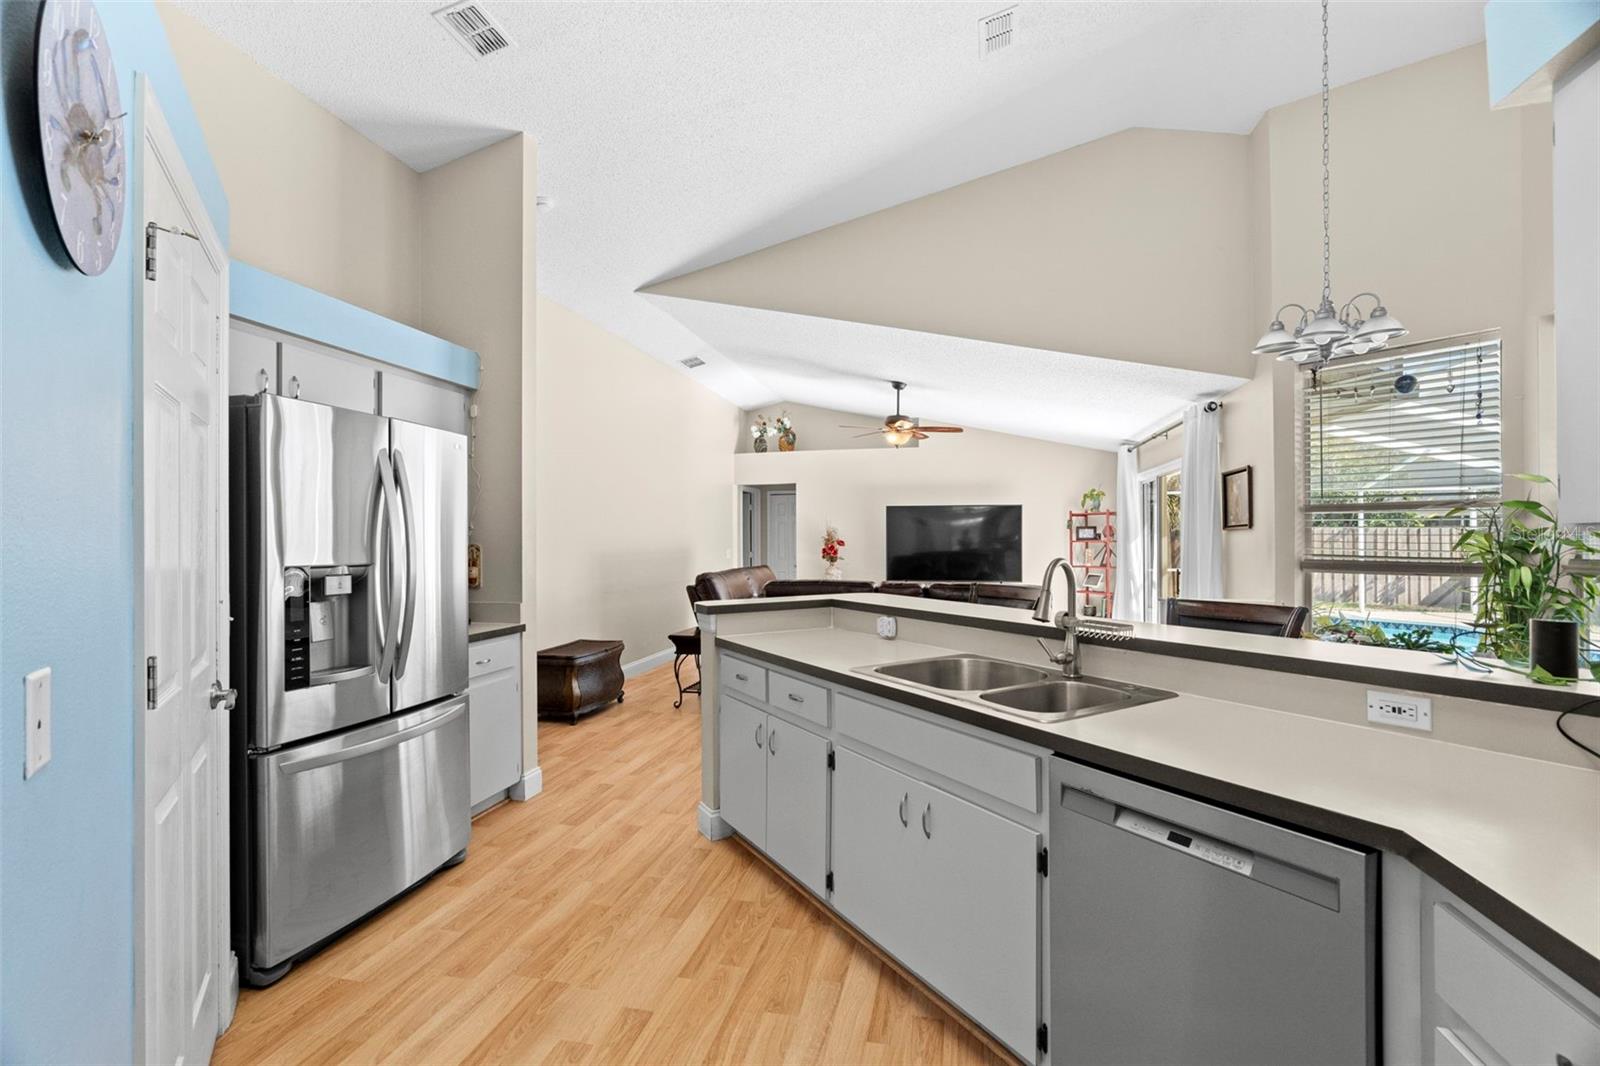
(648, 663)
(528, 786)
(712, 825)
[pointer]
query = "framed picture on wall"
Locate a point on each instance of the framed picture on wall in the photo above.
(1238, 498)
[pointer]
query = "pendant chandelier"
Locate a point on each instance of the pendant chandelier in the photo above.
(1328, 334)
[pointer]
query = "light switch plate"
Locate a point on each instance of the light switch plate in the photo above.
(1401, 709)
(36, 703)
(887, 626)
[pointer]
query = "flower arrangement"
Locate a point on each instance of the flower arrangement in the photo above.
(760, 431)
(831, 543)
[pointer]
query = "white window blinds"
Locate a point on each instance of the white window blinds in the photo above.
(1391, 442)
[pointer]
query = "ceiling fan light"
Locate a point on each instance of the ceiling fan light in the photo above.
(897, 437)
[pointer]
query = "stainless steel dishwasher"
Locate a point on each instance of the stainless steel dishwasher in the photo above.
(1184, 933)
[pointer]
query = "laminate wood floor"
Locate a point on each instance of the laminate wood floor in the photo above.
(593, 924)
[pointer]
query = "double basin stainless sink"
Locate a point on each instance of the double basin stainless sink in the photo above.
(1012, 688)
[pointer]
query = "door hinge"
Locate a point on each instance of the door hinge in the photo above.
(1044, 862)
(1044, 1038)
(828, 881)
(150, 252)
(830, 759)
(150, 683)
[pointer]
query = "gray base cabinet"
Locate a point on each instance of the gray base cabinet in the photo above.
(494, 718)
(774, 787)
(949, 889)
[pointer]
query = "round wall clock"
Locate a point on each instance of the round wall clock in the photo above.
(81, 130)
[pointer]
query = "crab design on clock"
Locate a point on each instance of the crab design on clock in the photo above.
(81, 132)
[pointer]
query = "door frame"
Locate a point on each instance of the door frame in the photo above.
(155, 145)
(753, 549)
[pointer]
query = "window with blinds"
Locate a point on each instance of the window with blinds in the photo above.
(1389, 444)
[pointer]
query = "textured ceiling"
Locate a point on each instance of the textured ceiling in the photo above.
(1074, 399)
(676, 135)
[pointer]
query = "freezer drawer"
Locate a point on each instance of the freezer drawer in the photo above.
(346, 823)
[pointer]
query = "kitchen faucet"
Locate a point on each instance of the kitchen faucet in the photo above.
(1067, 620)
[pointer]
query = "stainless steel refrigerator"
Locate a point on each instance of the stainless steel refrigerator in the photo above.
(349, 740)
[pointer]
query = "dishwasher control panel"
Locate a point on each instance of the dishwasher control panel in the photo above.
(1236, 859)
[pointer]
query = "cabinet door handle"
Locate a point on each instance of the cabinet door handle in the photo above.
(905, 799)
(927, 826)
(796, 699)
(772, 741)
(761, 728)
(482, 662)
(741, 677)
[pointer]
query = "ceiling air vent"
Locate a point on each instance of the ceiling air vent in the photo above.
(692, 362)
(477, 32)
(996, 32)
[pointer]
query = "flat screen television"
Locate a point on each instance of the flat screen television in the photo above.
(970, 542)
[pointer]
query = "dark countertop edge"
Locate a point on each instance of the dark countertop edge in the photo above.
(498, 629)
(1540, 697)
(1550, 945)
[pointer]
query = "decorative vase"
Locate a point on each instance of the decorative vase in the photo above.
(1553, 645)
(786, 441)
(761, 443)
(833, 573)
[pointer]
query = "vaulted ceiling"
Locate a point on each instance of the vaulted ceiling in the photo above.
(677, 136)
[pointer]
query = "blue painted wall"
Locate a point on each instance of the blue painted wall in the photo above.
(68, 389)
(286, 305)
(1522, 35)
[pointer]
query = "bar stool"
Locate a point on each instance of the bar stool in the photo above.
(685, 645)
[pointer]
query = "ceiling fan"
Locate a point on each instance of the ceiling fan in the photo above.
(898, 429)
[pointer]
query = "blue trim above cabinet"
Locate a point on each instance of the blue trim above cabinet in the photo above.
(281, 304)
(1530, 44)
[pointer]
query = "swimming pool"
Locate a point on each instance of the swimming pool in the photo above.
(1464, 638)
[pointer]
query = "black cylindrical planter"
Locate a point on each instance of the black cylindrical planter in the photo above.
(1553, 645)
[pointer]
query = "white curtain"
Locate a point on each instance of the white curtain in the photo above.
(1200, 522)
(1129, 593)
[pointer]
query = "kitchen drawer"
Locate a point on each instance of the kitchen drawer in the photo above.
(998, 771)
(743, 677)
(798, 697)
(1517, 1013)
(497, 653)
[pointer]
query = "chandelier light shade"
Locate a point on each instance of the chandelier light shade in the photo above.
(1326, 334)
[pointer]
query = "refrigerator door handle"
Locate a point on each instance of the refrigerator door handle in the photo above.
(348, 751)
(409, 507)
(392, 523)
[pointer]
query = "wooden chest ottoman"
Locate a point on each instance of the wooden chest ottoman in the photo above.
(579, 677)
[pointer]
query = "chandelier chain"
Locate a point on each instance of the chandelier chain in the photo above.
(1327, 284)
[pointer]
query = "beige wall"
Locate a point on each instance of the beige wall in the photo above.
(815, 428)
(850, 489)
(311, 199)
(635, 487)
(1135, 246)
(473, 292)
(478, 285)
(1440, 204)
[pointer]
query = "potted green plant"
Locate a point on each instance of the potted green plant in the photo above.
(1531, 607)
(1092, 499)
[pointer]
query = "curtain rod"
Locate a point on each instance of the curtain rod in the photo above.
(1213, 405)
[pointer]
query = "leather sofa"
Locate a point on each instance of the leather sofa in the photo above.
(752, 582)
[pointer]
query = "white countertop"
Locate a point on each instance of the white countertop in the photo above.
(1527, 829)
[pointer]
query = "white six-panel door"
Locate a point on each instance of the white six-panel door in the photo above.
(183, 840)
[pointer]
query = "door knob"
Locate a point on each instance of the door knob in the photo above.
(223, 697)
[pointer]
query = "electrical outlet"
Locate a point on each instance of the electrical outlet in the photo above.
(36, 703)
(1394, 708)
(887, 626)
